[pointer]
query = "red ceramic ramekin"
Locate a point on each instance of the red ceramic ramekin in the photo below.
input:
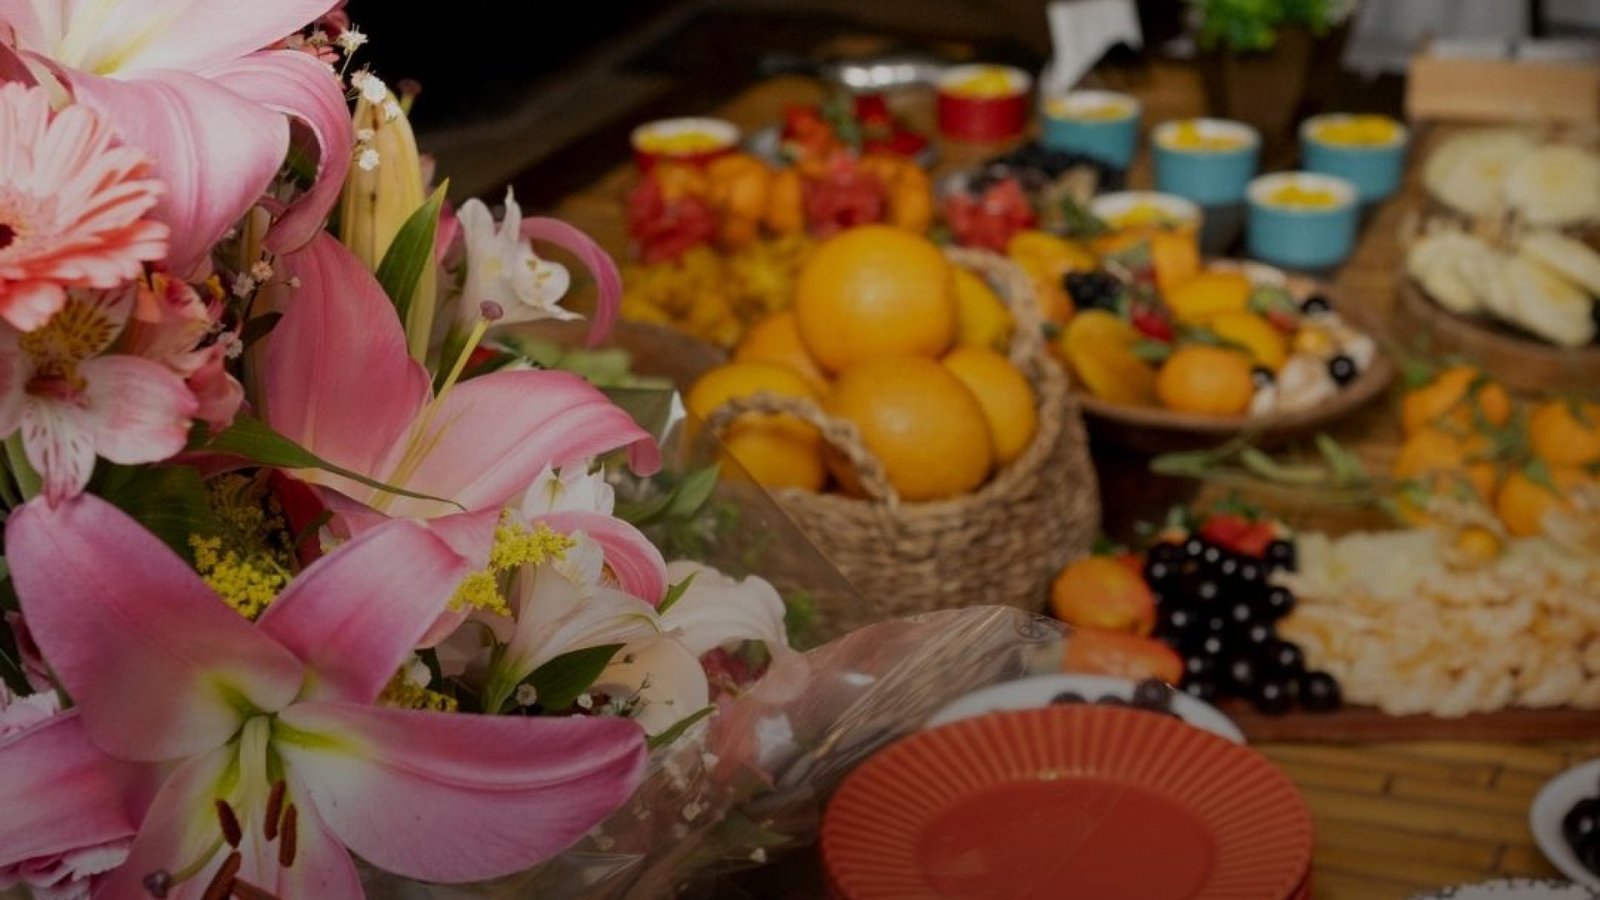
(970, 107)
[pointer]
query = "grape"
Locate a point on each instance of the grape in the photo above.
(1319, 692)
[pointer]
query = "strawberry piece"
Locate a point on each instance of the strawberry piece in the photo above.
(1239, 534)
(1153, 325)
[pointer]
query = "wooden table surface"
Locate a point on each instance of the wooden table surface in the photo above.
(1393, 819)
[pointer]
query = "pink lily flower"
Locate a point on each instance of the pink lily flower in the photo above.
(271, 756)
(188, 83)
(339, 381)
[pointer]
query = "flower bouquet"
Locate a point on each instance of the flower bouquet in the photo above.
(298, 569)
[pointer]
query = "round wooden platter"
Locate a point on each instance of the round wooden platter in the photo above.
(1153, 430)
(1520, 361)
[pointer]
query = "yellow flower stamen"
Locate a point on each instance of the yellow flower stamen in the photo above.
(515, 545)
(403, 693)
(247, 585)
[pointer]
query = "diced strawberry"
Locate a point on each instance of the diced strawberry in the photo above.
(1239, 534)
(907, 143)
(1283, 320)
(1153, 325)
(846, 198)
(872, 108)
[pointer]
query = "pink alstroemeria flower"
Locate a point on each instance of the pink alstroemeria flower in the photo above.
(187, 82)
(272, 755)
(74, 401)
(73, 206)
(339, 381)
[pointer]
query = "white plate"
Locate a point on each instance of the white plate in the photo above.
(1513, 889)
(1032, 693)
(1544, 818)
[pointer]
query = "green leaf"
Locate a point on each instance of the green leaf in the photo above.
(1347, 467)
(561, 681)
(693, 492)
(258, 328)
(674, 594)
(1265, 466)
(678, 728)
(255, 441)
(11, 670)
(645, 512)
(1151, 351)
(410, 252)
(1538, 472)
(169, 501)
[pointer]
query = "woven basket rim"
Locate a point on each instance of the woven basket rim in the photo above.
(1054, 402)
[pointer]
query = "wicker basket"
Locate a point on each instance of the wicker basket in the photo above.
(999, 544)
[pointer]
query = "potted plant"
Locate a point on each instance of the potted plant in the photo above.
(1257, 55)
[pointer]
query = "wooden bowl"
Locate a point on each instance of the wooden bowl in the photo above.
(1518, 360)
(1155, 430)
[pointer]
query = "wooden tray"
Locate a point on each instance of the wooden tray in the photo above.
(1523, 363)
(1365, 724)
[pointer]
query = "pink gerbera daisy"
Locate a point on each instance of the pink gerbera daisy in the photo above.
(72, 206)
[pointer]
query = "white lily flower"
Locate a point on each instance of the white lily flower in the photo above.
(574, 489)
(502, 268)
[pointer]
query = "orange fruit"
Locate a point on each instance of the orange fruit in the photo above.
(1440, 461)
(873, 292)
(777, 450)
(776, 339)
(1454, 399)
(1005, 395)
(1565, 432)
(1174, 252)
(1099, 347)
(1522, 502)
(1208, 380)
(921, 422)
(1255, 334)
(1101, 652)
(982, 318)
(1046, 258)
(1101, 592)
(1209, 294)
(776, 460)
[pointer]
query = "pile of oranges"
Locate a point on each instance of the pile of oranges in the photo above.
(887, 334)
(1466, 438)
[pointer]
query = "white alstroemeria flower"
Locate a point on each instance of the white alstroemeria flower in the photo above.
(502, 268)
(574, 489)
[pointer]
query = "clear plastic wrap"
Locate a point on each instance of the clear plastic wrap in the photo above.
(751, 785)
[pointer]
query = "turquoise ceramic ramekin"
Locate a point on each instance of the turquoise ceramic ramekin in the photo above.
(1208, 176)
(1103, 125)
(1299, 235)
(1374, 168)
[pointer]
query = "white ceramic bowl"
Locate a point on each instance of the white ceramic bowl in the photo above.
(1036, 692)
(1551, 805)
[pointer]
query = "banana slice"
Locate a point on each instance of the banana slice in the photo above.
(1555, 185)
(1572, 258)
(1434, 261)
(1468, 170)
(1486, 272)
(1547, 304)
